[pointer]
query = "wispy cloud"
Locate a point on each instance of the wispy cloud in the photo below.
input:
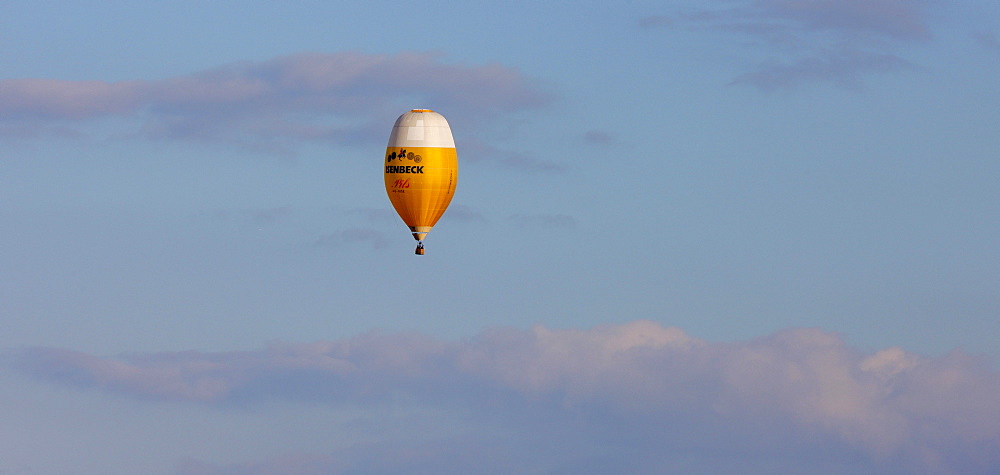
(543, 221)
(340, 98)
(376, 215)
(797, 394)
(836, 41)
(988, 40)
(255, 217)
(901, 19)
(476, 150)
(466, 213)
(841, 67)
(353, 236)
(656, 21)
(598, 137)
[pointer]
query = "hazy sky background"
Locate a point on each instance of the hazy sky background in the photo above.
(688, 236)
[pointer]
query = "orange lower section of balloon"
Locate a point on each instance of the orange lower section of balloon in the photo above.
(420, 182)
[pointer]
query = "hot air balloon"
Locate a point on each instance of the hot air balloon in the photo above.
(421, 170)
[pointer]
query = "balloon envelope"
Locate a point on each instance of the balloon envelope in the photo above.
(421, 169)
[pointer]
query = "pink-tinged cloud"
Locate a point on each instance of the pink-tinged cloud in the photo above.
(652, 391)
(340, 97)
(50, 98)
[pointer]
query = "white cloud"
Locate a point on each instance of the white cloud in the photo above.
(654, 389)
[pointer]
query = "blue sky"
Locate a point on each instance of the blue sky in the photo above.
(688, 236)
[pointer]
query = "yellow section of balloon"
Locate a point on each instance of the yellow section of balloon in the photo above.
(420, 182)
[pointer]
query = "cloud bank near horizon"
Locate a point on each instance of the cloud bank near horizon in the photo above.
(650, 390)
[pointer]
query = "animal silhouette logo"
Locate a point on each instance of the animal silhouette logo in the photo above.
(403, 155)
